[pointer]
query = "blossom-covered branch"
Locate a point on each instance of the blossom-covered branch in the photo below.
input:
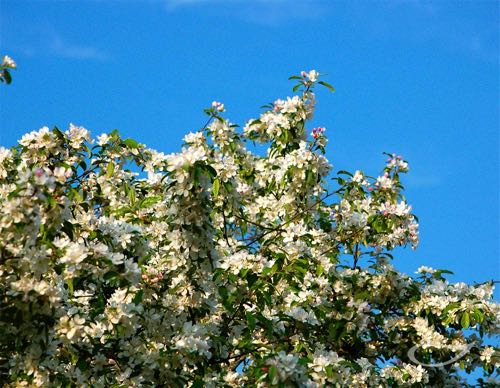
(222, 266)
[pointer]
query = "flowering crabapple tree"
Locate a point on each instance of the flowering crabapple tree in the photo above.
(221, 266)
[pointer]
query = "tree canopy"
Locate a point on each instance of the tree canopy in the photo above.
(221, 265)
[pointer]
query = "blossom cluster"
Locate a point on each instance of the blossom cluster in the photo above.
(7, 64)
(221, 265)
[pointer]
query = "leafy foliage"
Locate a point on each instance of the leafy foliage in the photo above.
(217, 266)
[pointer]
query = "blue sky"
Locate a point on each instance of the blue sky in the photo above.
(414, 77)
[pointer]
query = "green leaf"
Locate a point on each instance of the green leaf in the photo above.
(344, 172)
(465, 320)
(223, 292)
(69, 282)
(211, 171)
(311, 178)
(51, 202)
(58, 133)
(6, 75)
(272, 372)
(131, 143)
(251, 320)
(197, 172)
(332, 331)
(82, 364)
(215, 187)
(15, 192)
(131, 196)
(68, 229)
(478, 314)
(82, 164)
(198, 384)
(147, 202)
(138, 297)
(110, 275)
(451, 306)
(252, 279)
(439, 272)
(326, 84)
(110, 169)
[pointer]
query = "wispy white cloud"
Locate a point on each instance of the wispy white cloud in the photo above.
(267, 12)
(428, 22)
(58, 46)
(432, 22)
(43, 39)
